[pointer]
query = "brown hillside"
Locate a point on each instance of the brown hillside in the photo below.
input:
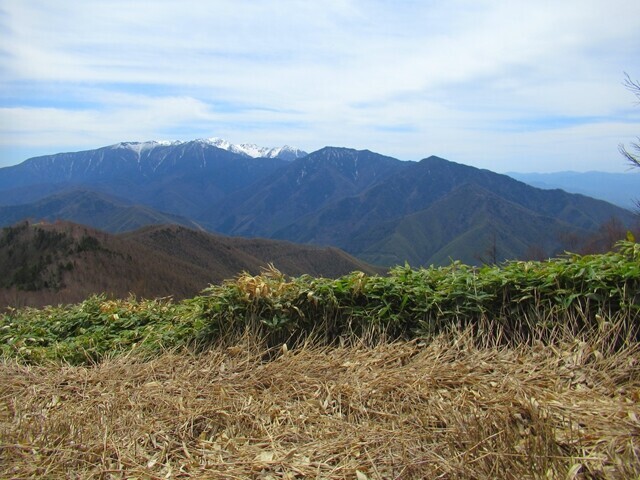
(44, 263)
(227, 256)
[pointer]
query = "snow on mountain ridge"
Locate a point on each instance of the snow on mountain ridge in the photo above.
(139, 147)
(246, 149)
(253, 150)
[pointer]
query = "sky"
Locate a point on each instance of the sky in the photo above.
(527, 86)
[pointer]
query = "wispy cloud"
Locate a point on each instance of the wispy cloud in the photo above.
(495, 84)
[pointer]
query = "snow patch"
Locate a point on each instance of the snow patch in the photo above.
(245, 149)
(254, 151)
(139, 147)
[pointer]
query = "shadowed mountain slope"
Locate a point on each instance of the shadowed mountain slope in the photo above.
(436, 203)
(93, 209)
(304, 186)
(180, 179)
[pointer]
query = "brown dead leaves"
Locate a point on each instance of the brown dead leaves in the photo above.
(446, 409)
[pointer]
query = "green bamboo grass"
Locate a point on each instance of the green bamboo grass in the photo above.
(515, 301)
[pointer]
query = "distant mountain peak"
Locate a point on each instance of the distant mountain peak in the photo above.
(246, 149)
(254, 151)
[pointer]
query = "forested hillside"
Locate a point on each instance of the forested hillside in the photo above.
(63, 262)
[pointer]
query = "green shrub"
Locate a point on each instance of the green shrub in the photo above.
(518, 299)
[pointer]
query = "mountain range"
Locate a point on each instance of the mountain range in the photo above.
(380, 209)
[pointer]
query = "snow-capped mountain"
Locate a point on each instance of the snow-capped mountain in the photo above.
(245, 149)
(382, 209)
(251, 150)
(159, 174)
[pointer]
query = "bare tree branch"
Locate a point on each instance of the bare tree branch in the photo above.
(633, 158)
(632, 85)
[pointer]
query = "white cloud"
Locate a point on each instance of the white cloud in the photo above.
(410, 78)
(54, 126)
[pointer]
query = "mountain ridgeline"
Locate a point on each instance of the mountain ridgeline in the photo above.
(377, 208)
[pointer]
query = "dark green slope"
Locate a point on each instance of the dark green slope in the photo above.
(303, 187)
(465, 225)
(410, 217)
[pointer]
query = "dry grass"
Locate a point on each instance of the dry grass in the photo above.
(446, 409)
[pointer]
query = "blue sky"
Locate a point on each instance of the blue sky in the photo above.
(509, 86)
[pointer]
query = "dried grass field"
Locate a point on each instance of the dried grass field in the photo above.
(449, 408)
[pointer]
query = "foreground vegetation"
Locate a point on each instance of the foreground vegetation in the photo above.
(514, 300)
(526, 370)
(449, 408)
